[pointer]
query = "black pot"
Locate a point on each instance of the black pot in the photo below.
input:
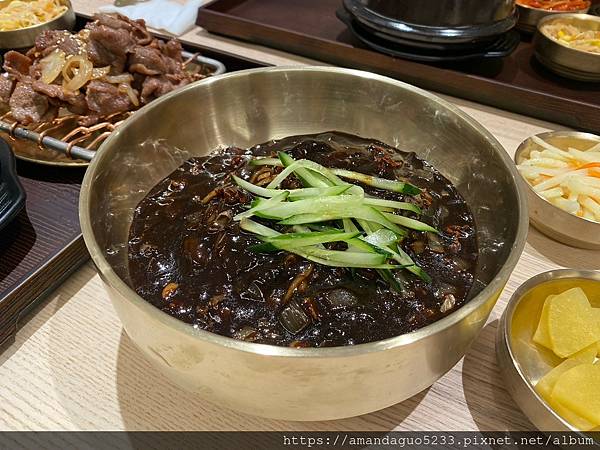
(443, 21)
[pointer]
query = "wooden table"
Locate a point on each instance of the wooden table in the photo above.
(73, 368)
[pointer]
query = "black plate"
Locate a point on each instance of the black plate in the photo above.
(503, 46)
(12, 194)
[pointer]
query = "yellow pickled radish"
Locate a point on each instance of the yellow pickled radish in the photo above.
(573, 419)
(541, 335)
(571, 322)
(579, 390)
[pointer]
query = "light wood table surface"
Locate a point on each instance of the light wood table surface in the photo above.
(73, 368)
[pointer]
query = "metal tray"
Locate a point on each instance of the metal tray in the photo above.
(43, 244)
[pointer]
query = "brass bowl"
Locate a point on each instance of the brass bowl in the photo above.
(549, 219)
(249, 107)
(530, 17)
(522, 362)
(565, 61)
(25, 37)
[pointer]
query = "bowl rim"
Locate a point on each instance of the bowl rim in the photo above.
(523, 147)
(553, 13)
(494, 288)
(66, 12)
(511, 306)
(575, 15)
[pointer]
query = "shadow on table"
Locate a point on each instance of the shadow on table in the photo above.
(562, 254)
(490, 404)
(148, 401)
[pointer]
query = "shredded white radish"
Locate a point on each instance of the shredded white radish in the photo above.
(569, 177)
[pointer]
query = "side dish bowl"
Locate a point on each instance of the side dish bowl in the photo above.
(522, 362)
(249, 107)
(25, 37)
(549, 219)
(530, 17)
(563, 60)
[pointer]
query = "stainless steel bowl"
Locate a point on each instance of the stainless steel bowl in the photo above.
(549, 219)
(566, 61)
(529, 17)
(522, 362)
(25, 37)
(248, 107)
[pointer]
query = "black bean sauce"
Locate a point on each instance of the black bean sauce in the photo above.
(190, 259)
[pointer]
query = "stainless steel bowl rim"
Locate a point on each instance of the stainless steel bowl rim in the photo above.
(541, 278)
(41, 25)
(494, 287)
(581, 15)
(552, 13)
(523, 146)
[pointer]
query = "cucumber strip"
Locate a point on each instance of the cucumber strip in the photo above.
(349, 226)
(307, 176)
(254, 189)
(263, 204)
(266, 162)
(297, 240)
(409, 223)
(257, 228)
(299, 194)
(319, 205)
(359, 212)
(392, 204)
(344, 258)
(264, 247)
(381, 237)
(381, 183)
(402, 257)
(388, 277)
(295, 194)
(291, 166)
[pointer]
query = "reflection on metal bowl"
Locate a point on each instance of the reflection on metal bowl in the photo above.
(249, 107)
(25, 37)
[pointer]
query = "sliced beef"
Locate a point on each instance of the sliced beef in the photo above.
(154, 87)
(28, 106)
(171, 49)
(50, 40)
(147, 61)
(137, 28)
(6, 87)
(73, 101)
(105, 98)
(109, 47)
(17, 64)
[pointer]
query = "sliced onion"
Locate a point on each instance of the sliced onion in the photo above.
(76, 72)
(100, 72)
(126, 88)
(52, 65)
(118, 79)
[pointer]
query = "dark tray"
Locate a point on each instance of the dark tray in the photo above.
(310, 28)
(42, 245)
